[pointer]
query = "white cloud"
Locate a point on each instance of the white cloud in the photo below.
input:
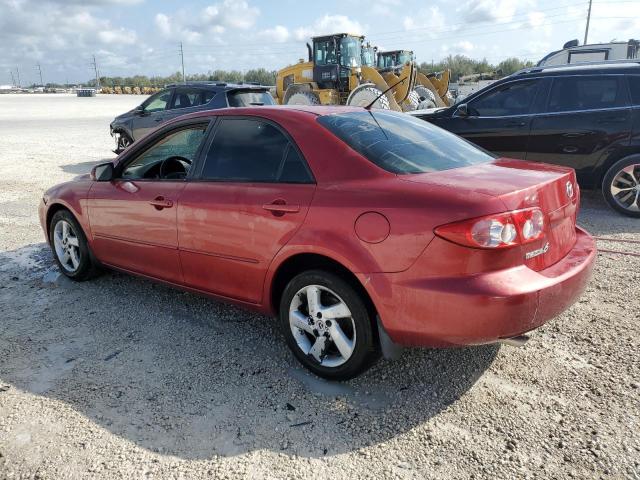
(329, 24)
(117, 36)
(430, 20)
(465, 46)
(277, 34)
(477, 11)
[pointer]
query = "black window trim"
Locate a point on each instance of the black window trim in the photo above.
(197, 177)
(539, 81)
(149, 143)
(202, 91)
(625, 91)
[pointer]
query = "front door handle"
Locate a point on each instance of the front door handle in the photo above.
(160, 202)
(570, 149)
(516, 124)
(280, 207)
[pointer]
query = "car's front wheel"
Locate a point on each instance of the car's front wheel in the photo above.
(327, 325)
(70, 247)
(621, 186)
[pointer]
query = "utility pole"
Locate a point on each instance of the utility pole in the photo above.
(182, 58)
(13, 80)
(40, 72)
(95, 68)
(586, 31)
(18, 73)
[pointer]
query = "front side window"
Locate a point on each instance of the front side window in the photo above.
(585, 93)
(368, 57)
(170, 158)
(405, 57)
(158, 102)
(187, 97)
(511, 99)
(401, 144)
(249, 98)
(249, 150)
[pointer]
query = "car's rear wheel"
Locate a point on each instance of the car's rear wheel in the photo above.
(327, 325)
(70, 247)
(621, 186)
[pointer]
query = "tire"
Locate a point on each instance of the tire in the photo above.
(313, 340)
(412, 102)
(124, 141)
(365, 94)
(426, 96)
(621, 186)
(79, 264)
(301, 97)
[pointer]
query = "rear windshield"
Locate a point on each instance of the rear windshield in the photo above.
(402, 144)
(249, 98)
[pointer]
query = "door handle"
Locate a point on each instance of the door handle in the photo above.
(160, 202)
(158, 119)
(516, 124)
(573, 134)
(570, 149)
(280, 207)
(613, 120)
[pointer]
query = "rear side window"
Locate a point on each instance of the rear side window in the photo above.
(187, 97)
(248, 150)
(249, 98)
(401, 144)
(634, 86)
(585, 93)
(207, 96)
(511, 99)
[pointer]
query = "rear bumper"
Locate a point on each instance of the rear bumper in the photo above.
(479, 308)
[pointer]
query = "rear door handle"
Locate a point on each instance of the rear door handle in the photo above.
(570, 149)
(279, 207)
(160, 202)
(516, 124)
(613, 120)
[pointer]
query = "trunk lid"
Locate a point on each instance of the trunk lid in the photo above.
(519, 184)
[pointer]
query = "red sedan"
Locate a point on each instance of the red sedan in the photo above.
(362, 230)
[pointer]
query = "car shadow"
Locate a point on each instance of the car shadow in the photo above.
(82, 168)
(601, 220)
(184, 375)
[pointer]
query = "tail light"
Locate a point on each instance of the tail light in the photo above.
(502, 230)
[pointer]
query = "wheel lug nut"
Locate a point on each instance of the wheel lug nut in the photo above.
(319, 315)
(328, 323)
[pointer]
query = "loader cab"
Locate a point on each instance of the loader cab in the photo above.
(369, 55)
(334, 59)
(395, 59)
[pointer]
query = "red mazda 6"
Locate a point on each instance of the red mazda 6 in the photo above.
(361, 230)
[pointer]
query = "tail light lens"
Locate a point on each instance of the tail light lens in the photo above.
(502, 230)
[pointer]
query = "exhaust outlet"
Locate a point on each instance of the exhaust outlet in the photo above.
(518, 341)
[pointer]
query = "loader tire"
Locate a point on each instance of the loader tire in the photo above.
(412, 102)
(427, 97)
(365, 94)
(301, 98)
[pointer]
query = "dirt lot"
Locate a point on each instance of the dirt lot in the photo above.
(123, 378)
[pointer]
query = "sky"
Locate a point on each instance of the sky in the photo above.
(131, 37)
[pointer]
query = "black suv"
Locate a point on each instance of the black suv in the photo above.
(180, 99)
(583, 116)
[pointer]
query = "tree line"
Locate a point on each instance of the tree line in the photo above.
(460, 65)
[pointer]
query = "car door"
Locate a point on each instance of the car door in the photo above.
(152, 115)
(497, 120)
(250, 198)
(133, 217)
(583, 117)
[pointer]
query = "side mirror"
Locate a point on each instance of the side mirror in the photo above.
(462, 110)
(102, 173)
(139, 110)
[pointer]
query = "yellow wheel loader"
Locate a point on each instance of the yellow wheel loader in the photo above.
(335, 75)
(431, 90)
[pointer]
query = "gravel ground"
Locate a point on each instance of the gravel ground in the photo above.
(124, 378)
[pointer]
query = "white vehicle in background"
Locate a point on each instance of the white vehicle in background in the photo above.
(573, 52)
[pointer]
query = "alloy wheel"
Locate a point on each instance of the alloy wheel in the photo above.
(66, 245)
(625, 188)
(322, 325)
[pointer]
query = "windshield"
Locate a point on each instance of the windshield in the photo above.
(401, 144)
(368, 57)
(385, 61)
(249, 98)
(405, 57)
(350, 52)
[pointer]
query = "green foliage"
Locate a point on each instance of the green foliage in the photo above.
(461, 65)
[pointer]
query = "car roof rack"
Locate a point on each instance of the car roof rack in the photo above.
(581, 65)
